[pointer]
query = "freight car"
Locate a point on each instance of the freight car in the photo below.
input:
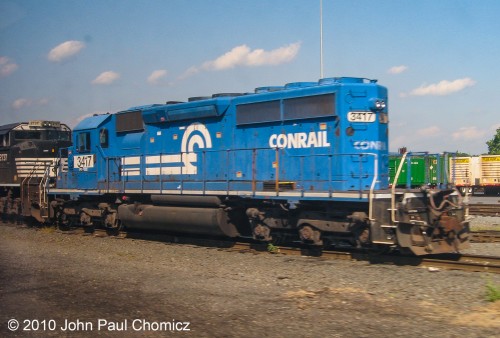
(28, 152)
(477, 174)
(307, 161)
(420, 169)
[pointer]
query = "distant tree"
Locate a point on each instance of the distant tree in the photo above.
(494, 144)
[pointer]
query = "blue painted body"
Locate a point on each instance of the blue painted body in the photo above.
(325, 140)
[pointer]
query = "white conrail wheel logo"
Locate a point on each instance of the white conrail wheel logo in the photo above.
(196, 134)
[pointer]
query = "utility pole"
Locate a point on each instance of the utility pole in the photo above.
(321, 38)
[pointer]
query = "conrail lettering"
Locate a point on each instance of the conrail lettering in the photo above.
(300, 140)
(370, 145)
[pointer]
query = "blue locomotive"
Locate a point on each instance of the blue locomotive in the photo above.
(306, 161)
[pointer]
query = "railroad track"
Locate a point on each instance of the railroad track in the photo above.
(473, 263)
(484, 209)
(485, 236)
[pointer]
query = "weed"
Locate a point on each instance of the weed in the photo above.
(273, 248)
(492, 291)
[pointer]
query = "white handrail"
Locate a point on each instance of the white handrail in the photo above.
(393, 188)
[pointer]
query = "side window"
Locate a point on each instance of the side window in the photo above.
(27, 135)
(104, 138)
(83, 143)
(309, 107)
(4, 140)
(258, 112)
(129, 122)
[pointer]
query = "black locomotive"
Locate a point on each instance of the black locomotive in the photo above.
(28, 154)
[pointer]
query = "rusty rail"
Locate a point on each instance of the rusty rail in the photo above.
(463, 262)
(484, 209)
(485, 236)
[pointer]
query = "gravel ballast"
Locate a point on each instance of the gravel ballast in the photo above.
(88, 281)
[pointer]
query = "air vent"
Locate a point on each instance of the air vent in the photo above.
(283, 186)
(226, 95)
(294, 85)
(198, 98)
(268, 89)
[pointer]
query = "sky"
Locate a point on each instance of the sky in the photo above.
(67, 59)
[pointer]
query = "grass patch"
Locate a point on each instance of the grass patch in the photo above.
(492, 291)
(273, 248)
(47, 229)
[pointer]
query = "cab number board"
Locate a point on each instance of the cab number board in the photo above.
(361, 116)
(84, 161)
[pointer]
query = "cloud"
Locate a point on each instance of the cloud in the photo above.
(429, 132)
(43, 101)
(444, 87)
(7, 67)
(397, 69)
(243, 56)
(468, 133)
(25, 102)
(106, 78)
(156, 76)
(65, 50)
(21, 103)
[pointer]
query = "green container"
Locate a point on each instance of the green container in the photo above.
(423, 170)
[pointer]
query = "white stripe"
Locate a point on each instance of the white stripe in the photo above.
(131, 173)
(37, 159)
(131, 160)
(163, 159)
(164, 171)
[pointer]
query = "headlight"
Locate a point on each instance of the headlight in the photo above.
(377, 104)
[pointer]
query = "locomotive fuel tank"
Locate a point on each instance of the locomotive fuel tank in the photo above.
(179, 214)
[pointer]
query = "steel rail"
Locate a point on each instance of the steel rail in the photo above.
(485, 236)
(463, 262)
(484, 209)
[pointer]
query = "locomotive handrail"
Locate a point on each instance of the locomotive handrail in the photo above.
(393, 189)
(331, 178)
(372, 188)
(375, 156)
(28, 178)
(43, 191)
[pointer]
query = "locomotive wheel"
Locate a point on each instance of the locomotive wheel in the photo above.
(363, 238)
(310, 235)
(86, 222)
(262, 233)
(85, 219)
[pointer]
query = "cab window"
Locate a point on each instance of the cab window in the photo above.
(104, 138)
(83, 142)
